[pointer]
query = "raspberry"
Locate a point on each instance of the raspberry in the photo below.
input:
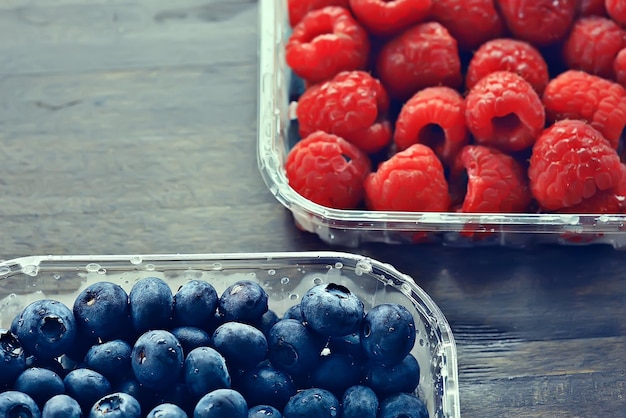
(616, 10)
(496, 182)
(502, 110)
(507, 54)
(435, 117)
(326, 42)
(571, 162)
(579, 95)
(384, 18)
(471, 22)
(606, 201)
(619, 67)
(423, 56)
(590, 8)
(593, 44)
(299, 8)
(540, 22)
(352, 105)
(328, 170)
(410, 181)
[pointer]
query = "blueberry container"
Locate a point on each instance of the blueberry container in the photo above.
(277, 132)
(285, 277)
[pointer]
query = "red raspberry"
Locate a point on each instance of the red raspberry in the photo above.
(593, 44)
(425, 55)
(571, 162)
(617, 10)
(299, 8)
(353, 105)
(579, 95)
(328, 170)
(496, 182)
(606, 201)
(410, 181)
(435, 117)
(507, 54)
(502, 110)
(384, 17)
(326, 42)
(540, 22)
(470, 22)
(619, 67)
(590, 8)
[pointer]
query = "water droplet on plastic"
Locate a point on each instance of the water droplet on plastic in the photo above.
(217, 266)
(30, 270)
(4, 270)
(317, 281)
(102, 271)
(293, 296)
(271, 272)
(56, 276)
(284, 280)
(422, 342)
(135, 260)
(150, 267)
(92, 267)
(338, 265)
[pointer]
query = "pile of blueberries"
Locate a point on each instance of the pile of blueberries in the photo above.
(193, 353)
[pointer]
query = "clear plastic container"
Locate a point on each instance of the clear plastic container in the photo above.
(285, 277)
(276, 134)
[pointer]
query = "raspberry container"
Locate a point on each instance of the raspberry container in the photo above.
(285, 277)
(277, 133)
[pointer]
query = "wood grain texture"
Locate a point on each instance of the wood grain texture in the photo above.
(130, 126)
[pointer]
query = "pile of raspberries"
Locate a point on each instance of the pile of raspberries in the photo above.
(482, 106)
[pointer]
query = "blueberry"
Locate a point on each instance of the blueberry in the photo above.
(46, 328)
(18, 404)
(205, 370)
(336, 373)
(12, 358)
(243, 301)
(267, 321)
(132, 387)
(347, 344)
(157, 359)
(195, 304)
(294, 312)
(387, 380)
(179, 395)
(264, 411)
(312, 403)
(403, 405)
(50, 364)
(116, 405)
(151, 304)
(167, 410)
(40, 384)
(81, 346)
(331, 309)
(242, 345)
(61, 406)
(221, 403)
(86, 387)
(101, 310)
(191, 337)
(359, 402)
(293, 347)
(266, 386)
(111, 359)
(388, 333)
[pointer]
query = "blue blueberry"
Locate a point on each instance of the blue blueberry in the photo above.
(116, 405)
(293, 347)
(221, 403)
(40, 384)
(86, 387)
(157, 359)
(191, 337)
(242, 345)
(132, 387)
(167, 410)
(151, 304)
(403, 405)
(81, 346)
(101, 310)
(347, 344)
(111, 359)
(312, 403)
(243, 301)
(61, 406)
(50, 364)
(179, 395)
(12, 358)
(336, 373)
(266, 385)
(195, 304)
(387, 380)
(267, 321)
(205, 370)
(331, 309)
(264, 411)
(17, 404)
(294, 312)
(388, 333)
(359, 402)
(46, 328)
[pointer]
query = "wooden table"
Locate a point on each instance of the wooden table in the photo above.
(129, 127)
